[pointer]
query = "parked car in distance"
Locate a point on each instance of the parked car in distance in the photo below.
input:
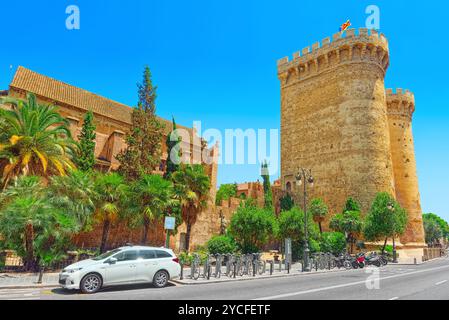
(125, 265)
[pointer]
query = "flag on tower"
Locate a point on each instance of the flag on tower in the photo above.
(345, 26)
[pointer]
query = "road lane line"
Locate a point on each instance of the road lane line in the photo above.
(291, 294)
(394, 298)
(441, 282)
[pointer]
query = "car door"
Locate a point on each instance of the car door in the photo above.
(165, 261)
(124, 270)
(147, 265)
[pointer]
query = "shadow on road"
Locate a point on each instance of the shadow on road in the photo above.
(127, 287)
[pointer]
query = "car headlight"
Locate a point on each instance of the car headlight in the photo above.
(74, 270)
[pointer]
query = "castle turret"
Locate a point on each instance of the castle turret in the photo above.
(334, 119)
(401, 106)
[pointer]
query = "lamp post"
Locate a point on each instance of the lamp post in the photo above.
(304, 177)
(390, 207)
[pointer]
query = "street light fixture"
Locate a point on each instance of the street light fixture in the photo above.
(304, 177)
(390, 207)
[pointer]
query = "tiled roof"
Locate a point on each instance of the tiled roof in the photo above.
(61, 92)
(64, 93)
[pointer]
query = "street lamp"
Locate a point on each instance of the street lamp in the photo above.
(304, 177)
(390, 207)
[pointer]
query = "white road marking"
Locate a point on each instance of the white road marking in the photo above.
(394, 298)
(441, 282)
(291, 294)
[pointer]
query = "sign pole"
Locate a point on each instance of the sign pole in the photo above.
(167, 240)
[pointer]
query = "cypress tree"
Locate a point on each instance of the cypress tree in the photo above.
(267, 186)
(86, 156)
(173, 160)
(144, 140)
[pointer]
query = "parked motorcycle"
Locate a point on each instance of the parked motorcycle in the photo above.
(360, 260)
(372, 259)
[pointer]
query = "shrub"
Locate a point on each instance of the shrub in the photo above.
(252, 227)
(221, 244)
(333, 242)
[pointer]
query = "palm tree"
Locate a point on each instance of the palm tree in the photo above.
(20, 210)
(319, 210)
(75, 194)
(152, 195)
(112, 193)
(192, 187)
(34, 140)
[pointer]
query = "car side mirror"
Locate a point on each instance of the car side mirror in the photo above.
(111, 261)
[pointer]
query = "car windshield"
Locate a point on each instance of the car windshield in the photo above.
(107, 254)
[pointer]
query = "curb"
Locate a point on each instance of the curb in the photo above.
(36, 286)
(255, 278)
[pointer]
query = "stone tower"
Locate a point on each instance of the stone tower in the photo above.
(334, 118)
(400, 107)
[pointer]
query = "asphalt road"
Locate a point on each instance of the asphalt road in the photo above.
(426, 281)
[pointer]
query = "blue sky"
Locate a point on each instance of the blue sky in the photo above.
(215, 61)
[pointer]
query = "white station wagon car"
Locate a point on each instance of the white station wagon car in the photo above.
(125, 265)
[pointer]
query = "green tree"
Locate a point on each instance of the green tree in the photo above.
(144, 140)
(225, 192)
(349, 223)
(267, 186)
(192, 188)
(173, 151)
(319, 210)
(151, 196)
(386, 219)
(333, 242)
(435, 228)
(222, 244)
(291, 225)
(286, 202)
(351, 205)
(252, 227)
(112, 195)
(32, 226)
(75, 195)
(443, 225)
(86, 155)
(35, 140)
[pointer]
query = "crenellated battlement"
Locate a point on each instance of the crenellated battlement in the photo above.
(351, 46)
(400, 103)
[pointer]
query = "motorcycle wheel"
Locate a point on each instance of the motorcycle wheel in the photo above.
(347, 265)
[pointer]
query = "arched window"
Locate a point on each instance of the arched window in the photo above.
(288, 186)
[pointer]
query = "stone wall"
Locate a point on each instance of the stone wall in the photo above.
(401, 106)
(334, 120)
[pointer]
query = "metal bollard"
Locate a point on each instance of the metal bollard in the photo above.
(208, 272)
(288, 267)
(329, 264)
(271, 267)
(414, 260)
(254, 268)
(181, 276)
(235, 270)
(41, 275)
(316, 265)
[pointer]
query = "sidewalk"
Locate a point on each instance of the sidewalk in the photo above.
(28, 280)
(294, 271)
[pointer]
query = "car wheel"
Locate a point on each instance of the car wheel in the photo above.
(91, 283)
(160, 279)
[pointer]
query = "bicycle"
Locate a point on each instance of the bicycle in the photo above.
(195, 267)
(218, 262)
(260, 265)
(230, 261)
(207, 267)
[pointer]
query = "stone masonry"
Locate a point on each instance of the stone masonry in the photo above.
(338, 120)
